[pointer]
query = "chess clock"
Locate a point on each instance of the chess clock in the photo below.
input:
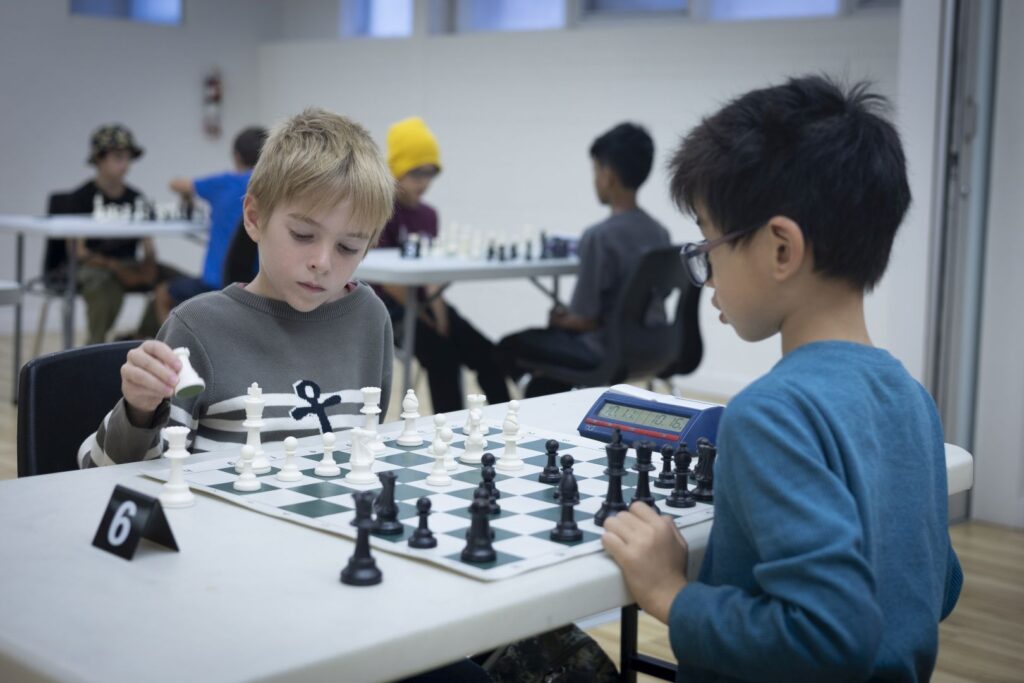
(643, 415)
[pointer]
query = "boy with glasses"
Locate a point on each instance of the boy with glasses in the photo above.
(829, 557)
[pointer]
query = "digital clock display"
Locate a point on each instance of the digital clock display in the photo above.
(647, 418)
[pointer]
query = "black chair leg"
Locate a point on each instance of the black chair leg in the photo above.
(631, 661)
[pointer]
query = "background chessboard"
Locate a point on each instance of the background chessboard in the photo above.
(528, 508)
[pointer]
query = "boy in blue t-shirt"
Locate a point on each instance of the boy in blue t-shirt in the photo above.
(829, 557)
(224, 193)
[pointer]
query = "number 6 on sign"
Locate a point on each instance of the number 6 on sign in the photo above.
(131, 516)
(122, 523)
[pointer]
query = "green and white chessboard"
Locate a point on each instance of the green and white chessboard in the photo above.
(521, 530)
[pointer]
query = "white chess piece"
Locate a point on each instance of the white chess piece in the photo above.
(475, 442)
(289, 471)
(439, 473)
(176, 493)
(513, 412)
(327, 467)
(361, 460)
(189, 382)
(439, 424)
(371, 409)
(509, 460)
(254, 423)
(410, 413)
(247, 480)
(97, 207)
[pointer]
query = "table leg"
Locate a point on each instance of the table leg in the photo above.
(69, 297)
(19, 268)
(409, 336)
(631, 661)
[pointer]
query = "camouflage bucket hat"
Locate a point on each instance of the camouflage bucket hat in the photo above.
(111, 137)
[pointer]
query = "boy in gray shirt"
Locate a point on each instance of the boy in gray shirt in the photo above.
(307, 334)
(608, 251)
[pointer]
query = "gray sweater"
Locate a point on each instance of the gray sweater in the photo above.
(310, 367)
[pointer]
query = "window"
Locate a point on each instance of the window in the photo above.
(727, 10)
(509, 15)
(376, 18)
(148, 11)
(601, 7)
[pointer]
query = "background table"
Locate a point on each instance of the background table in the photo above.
(74, 226)
(250, 597)
(386, 266)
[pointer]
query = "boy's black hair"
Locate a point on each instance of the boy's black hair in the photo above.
(628, 150)
(249, 144)
(809, 150)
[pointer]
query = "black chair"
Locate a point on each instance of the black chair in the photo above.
(639, 343)
(62, 397)
(52, 282)
(240, 262)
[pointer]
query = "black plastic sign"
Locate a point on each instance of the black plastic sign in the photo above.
(132, 516)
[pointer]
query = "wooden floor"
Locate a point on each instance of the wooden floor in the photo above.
(982, 641)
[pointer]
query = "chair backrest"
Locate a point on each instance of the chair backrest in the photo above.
(639, 340)
(240, 263)
(62, 397)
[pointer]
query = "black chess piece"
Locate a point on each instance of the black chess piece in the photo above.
(478, 548)
(486, 488)
(529, 251)
(550, 475)
(491, 251)
(556, 492)
(418, 252)
(644, 467)
(705, 472)
(566, 531)
(362, 569)
(680, 497)
(513, 251)
(544, 251)
(666, 480)
(613, 503)
(501, 252)
(385, 507)
(488, 460)
(423, 537)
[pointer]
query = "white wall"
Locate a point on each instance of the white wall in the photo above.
(61, 76)
(515, 115)
(999, 427)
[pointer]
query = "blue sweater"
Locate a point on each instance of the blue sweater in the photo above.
(829, 557)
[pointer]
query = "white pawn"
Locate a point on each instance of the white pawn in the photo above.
(439, 473)
(509, 460)
(290, 471)
(410, 413)
(327, 467)
(176, 493)
(247, 480)
(97, 207)
(513, 412)
(439, 424)
(189, 382)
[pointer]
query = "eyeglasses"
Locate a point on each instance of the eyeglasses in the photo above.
(695, 255)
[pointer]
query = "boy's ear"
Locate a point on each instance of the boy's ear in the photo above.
(251, 218)
(789, 250)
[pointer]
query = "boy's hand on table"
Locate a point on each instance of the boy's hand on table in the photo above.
(148, 376)
(652, 555)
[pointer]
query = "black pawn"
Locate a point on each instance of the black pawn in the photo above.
(487, 488)
(613, 503)
(680, 497)
(478, 548)
(550, 475)
(566, 531)
(423, 537)
(644, 467)
(529, 251)
(418, 253)
(666, 480)
(488, 460)
(705, 474)
(362, 569)
(556, 493)
(491, 252)
(501, 252)
(384, 506)
(513, 252)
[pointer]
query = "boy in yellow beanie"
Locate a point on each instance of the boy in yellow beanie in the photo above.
(445, 341)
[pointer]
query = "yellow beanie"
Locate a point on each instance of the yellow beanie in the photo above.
(411, 145)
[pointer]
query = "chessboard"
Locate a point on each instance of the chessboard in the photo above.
(529, 510)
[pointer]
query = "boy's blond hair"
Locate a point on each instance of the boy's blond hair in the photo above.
(318, 158)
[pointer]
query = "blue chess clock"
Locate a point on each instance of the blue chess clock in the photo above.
(643, 415)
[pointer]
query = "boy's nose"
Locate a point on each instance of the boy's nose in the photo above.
(320, 260)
